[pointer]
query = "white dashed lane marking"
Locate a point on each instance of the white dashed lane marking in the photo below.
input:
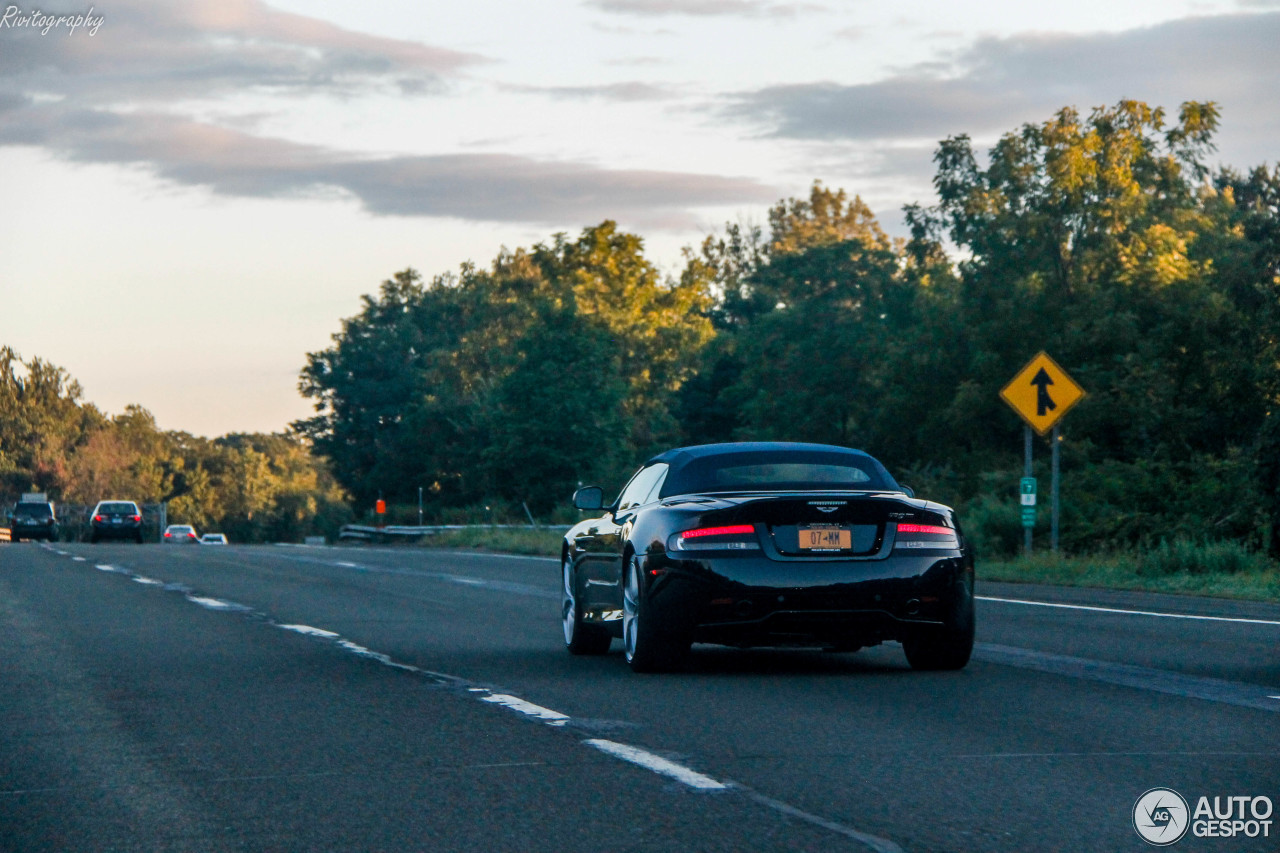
(625, 752)
(657, 764)
(515, 703)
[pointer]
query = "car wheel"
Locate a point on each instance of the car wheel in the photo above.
(646, 648)
(580, 638)
(138, 539)
(949, 647)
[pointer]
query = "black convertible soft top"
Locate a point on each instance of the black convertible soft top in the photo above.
(771, 466)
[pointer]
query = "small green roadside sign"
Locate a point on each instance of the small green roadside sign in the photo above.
(1027, 494)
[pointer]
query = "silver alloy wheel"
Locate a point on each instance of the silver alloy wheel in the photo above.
(631, 608)
(568, 604)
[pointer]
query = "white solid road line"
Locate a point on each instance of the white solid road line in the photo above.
(1128, 612)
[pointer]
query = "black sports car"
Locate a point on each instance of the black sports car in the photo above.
(766, 544)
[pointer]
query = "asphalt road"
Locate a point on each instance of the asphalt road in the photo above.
(273, 698)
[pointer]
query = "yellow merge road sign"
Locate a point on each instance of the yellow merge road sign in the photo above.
(1042, 393)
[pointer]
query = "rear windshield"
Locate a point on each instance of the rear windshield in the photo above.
(118, 508)
(773, 470)
(32, 510)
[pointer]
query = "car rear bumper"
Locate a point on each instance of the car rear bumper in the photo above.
(121, 531)
(756, 601)
(33, 531)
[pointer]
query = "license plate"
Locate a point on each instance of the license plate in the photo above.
(825, 539)
(116, 520)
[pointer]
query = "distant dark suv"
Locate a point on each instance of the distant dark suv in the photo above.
(33, 520)
(116, 520)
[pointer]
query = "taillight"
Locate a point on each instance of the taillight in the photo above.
(99, 519)
(732, 537)
(137, 518)
(191, 536)
(167, 534)
(925, 536)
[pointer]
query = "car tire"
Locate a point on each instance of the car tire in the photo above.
(580, 637)
(646, 648)
(138, 539)
(948, 647)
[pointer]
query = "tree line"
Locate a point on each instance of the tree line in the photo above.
(253, 487)
(1105, 239)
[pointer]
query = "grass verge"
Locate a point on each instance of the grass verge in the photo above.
(1255, 579)
(538, 543)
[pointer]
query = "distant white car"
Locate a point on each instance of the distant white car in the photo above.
(213, 539)
(180, 534)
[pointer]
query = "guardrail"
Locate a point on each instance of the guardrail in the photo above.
(402, 532)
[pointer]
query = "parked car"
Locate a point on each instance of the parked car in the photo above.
(213, 539)
(33, 520)
(115, 520)
(180, 534)
(766, 544)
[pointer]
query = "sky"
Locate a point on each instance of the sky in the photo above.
(194, 194)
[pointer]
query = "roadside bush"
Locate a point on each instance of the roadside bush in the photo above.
(1184, 556)
(994, 526)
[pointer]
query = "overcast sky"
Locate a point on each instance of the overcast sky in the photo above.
(194, 194)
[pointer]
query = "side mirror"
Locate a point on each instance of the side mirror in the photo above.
(908, 491)
(589, 498)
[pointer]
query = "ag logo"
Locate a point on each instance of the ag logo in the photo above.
(1160, 816)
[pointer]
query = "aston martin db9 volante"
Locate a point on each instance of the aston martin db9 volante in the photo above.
(766, 544)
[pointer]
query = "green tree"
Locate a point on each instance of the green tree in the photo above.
(420, 385)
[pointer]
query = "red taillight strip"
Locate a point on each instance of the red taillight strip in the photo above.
(926, 528)
(731, 530)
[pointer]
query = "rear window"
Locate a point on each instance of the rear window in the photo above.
(772, 470)
(118, 508)
(33, 510)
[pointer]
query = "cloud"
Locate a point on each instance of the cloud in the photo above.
(118, 98)
(705, 8)
(161, 50)
(485, 187)
(637, 61)
(625, 92)
(519, 189)
(999, 83)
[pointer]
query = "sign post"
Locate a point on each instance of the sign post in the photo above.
(1041, 393)
(1028, 512)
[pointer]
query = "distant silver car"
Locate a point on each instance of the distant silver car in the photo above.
(213, 539)
(180, 534)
